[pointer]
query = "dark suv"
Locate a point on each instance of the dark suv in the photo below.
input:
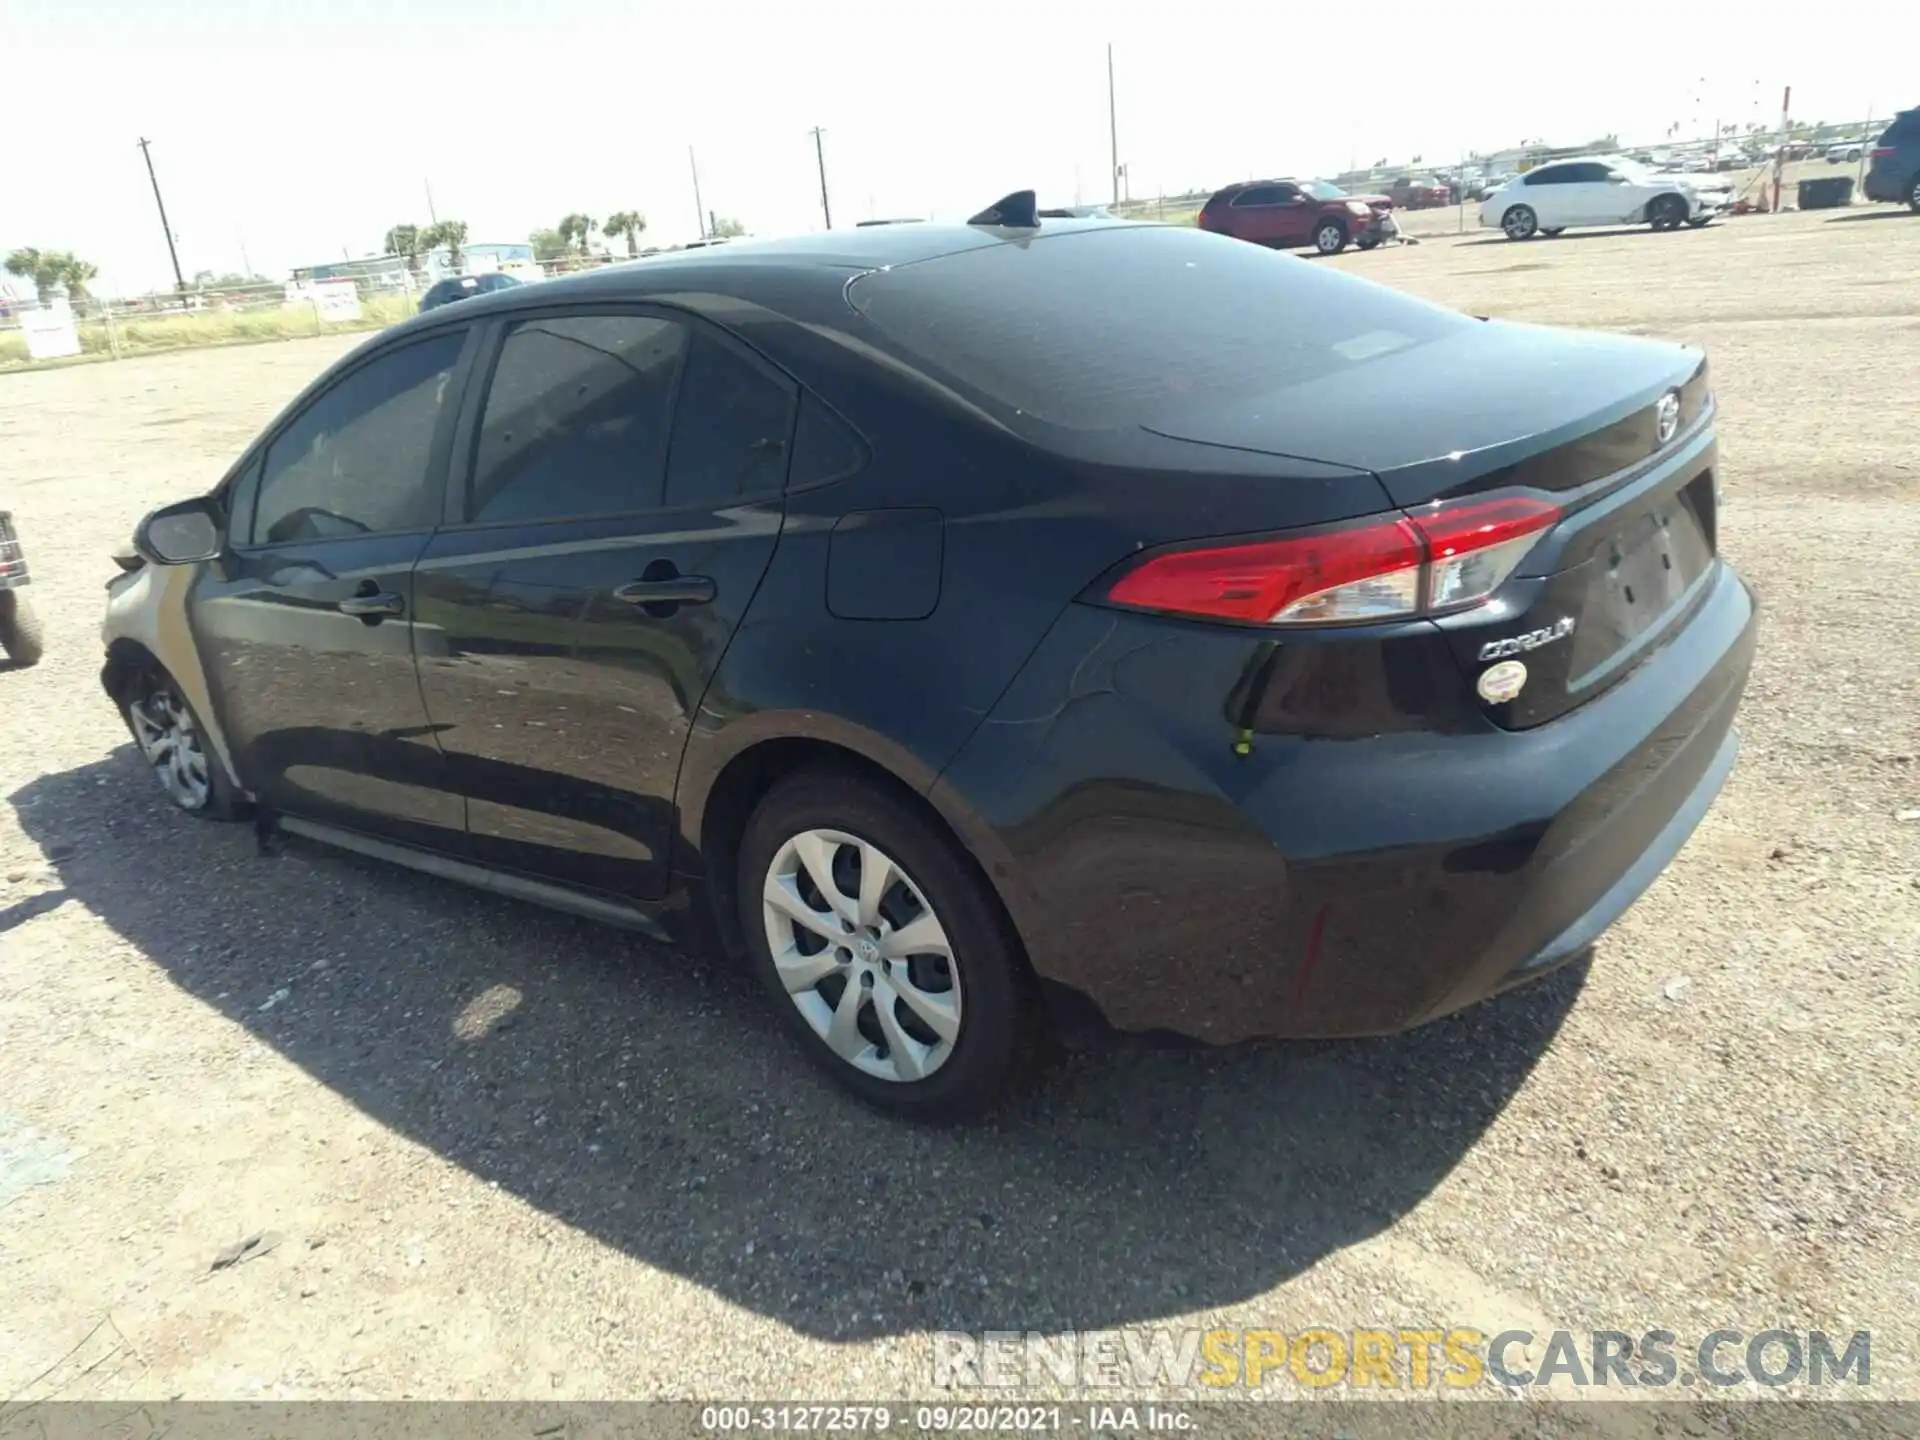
(1285, 213)
(1895, 172)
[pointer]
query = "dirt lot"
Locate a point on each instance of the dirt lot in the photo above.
(510, 1154)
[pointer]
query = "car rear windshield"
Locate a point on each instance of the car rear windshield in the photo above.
(1905, 126)
(1134, 325)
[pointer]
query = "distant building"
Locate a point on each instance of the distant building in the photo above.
(389, 272)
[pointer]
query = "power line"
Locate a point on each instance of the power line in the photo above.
(821, 155)
(179, 280)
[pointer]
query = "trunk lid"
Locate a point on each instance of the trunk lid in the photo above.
(1495, 403)
(1574, 416)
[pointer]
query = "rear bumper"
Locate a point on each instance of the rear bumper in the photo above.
(1323, 883)
(1883, 185)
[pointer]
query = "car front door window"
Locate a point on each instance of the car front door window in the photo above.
(357, 460)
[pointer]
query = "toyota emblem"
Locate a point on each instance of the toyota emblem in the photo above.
(1667, 417)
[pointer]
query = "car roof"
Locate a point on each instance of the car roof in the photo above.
(1237, 186)
(813, 267)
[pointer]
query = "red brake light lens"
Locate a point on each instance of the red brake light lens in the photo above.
(1881, 152)
(1450, 555)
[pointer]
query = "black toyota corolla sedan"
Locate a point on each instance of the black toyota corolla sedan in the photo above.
(968, 626)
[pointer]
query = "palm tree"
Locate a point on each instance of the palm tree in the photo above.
(76, 272)
(577, 227)
(404, 241)
(450, 233)
(45, 268)
(630, 223)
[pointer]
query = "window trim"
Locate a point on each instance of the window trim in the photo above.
(249, 474)
(465, 447)
(1240, 201)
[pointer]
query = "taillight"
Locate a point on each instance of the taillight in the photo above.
(1881, 152)
(1450, 555)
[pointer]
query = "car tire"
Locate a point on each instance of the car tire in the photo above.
(1555, 233)
(938, 1034)
(1667, 212)
(1699, 222)
(1913, 194)
(1368, 242)
(1520, 223)
(21, 635)
(173, 745)
(1329, 237)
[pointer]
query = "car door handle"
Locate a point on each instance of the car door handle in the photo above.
(669, 590)
(374, 607)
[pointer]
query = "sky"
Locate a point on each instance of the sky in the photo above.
(286, 132)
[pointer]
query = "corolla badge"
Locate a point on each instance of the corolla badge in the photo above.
(1532, 640)
(1667, 416)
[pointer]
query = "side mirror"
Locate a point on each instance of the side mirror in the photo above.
(180, 534)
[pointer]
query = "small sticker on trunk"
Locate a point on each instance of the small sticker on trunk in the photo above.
(1502, 682)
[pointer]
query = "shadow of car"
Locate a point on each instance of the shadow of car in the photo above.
(645, 1097)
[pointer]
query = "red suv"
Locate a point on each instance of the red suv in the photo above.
(1283, 213)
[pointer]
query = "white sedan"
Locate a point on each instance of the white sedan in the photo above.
(1601, 190)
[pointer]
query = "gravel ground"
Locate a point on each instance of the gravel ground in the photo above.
(508, 1154)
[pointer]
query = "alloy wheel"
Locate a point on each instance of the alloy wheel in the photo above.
(1330, 239)
(163, 728)
(862, 955)
(1519, 223)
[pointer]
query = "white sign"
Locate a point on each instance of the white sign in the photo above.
(335, 300)
(50, 331)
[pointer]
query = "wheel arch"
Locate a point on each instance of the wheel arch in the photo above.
(721, 792)
(126, 658)
(129, 657)
(1665, 195)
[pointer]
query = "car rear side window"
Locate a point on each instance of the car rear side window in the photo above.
(1905, 126)
(358, 460)
(1260, 195)
(732, 428)
(576, 418)
(1134, 324)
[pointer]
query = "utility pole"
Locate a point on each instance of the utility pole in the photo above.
(179, 280)
(1113, 126)
(820, 154)
(432, 218)
(699, 210)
